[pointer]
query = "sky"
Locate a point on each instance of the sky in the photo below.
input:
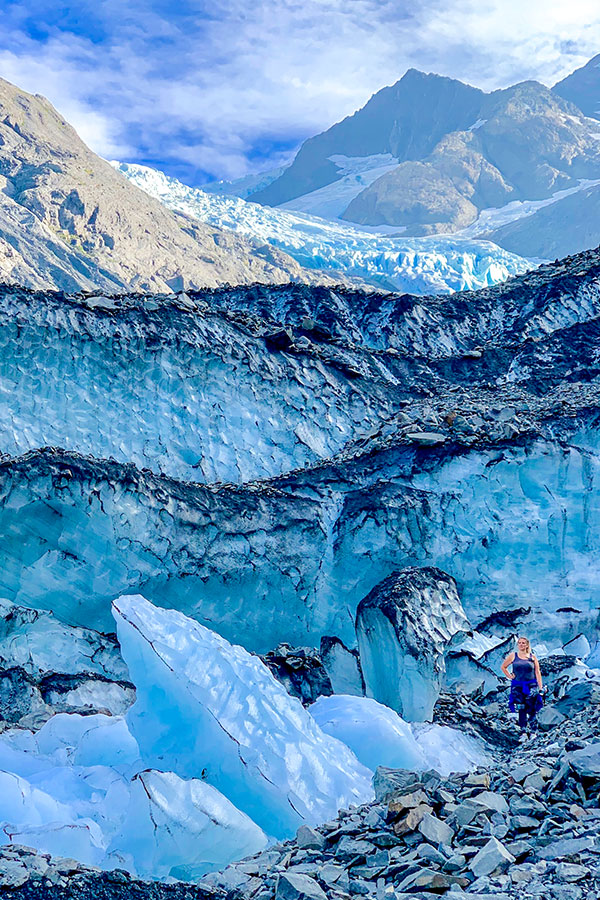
(217, 90)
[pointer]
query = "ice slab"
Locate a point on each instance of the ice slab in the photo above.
(77, 788)
(208, 709)
(182, 829)
(380, 737)
(374, 732)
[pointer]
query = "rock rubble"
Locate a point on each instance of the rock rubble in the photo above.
(529, 824)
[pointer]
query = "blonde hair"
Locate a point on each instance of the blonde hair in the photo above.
(521, 638)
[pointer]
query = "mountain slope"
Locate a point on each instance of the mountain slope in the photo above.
(557, 230)
(68, 220)
(582, 88)
(406, 120)
(431, 155)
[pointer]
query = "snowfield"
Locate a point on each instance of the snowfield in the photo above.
(425, 265)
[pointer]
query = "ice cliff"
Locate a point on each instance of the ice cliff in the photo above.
(459, 432)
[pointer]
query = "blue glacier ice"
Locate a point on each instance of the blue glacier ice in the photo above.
(185, 392)
(78, 788)
(417, 265)
(377, 735)
(208, 709)
(380, 737)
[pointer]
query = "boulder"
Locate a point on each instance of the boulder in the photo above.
(436, 831)
(309, 839)
(586, 762)
(393, 783)
(342, 666)
(492, 857)
(549, 717)
(405, 626)
(298, 887)
(577, 697)
(300, 670)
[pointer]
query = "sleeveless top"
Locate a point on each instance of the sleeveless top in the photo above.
(523, 669)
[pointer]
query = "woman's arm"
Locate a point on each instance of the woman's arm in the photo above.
(538, 672)
(508, 662)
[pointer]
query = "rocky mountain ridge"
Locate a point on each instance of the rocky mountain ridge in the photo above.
(68, 220)
(506, 161)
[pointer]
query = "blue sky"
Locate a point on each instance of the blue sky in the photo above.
(216, 90)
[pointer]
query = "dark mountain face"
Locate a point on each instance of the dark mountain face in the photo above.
(406, 120)
(582, 88)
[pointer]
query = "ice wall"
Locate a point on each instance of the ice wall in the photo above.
(187, 392)
(291, 560)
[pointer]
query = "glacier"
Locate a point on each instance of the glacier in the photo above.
(290, 559)
(173, 386)
(417, 265)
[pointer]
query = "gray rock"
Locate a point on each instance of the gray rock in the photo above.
(586, 762)
(491, 800)
(298, 887)
(348, 848)
(527, 806)
(520, 773)
(571, 871)
(426, 851)
(427, 879)
(491, 858)
(334, 876)
(390, 782)
(426, 438)
(13, 874)
(565, 847)
(577, 697)
(435, 830)
(309, 839)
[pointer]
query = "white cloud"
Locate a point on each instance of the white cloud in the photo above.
(212, 89)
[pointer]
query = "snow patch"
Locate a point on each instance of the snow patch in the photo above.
(495, 217)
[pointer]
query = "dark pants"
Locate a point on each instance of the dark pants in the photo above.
(527, 711)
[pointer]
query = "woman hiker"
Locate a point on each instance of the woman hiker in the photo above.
(526, 685)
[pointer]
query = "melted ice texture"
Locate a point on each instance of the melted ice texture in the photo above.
(416, 265)
(130, 792)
